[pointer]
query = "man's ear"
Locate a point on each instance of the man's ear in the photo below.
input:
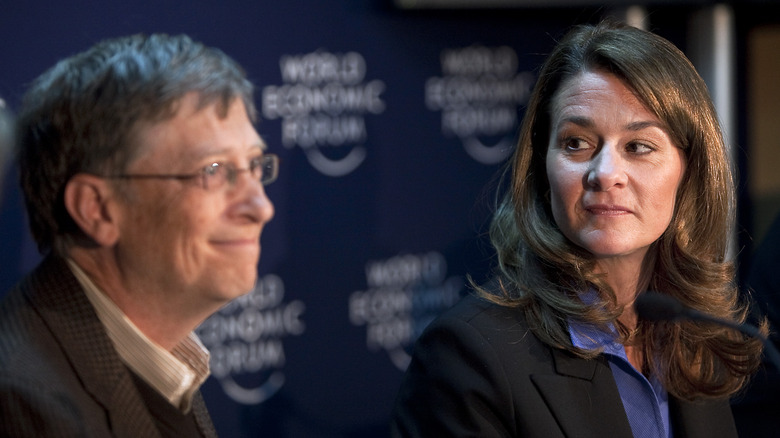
(87, 199)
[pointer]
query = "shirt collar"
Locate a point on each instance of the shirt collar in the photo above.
(176, 375)
(591, 337)
(645, 401)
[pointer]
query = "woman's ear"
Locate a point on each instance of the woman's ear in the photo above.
(86, 199)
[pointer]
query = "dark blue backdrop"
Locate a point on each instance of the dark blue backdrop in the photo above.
(392, 126)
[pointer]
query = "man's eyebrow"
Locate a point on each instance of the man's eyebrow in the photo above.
(204, 152)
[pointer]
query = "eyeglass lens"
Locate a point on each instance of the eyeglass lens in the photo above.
(265, 168)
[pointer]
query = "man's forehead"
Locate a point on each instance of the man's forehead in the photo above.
(201, 131)
(208, 149)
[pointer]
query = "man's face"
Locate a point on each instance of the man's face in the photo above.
(195, 247)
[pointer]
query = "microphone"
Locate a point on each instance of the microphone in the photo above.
(653, 306)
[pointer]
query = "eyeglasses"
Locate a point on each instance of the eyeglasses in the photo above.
(264, 169)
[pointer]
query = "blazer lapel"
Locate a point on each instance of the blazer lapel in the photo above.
(703, 419)
(62, 304)
(202, 416)
(583, 397)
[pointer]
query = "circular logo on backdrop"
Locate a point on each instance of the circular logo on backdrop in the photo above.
(322, 105)
(479, 95)
(246, 341)
(404, 294)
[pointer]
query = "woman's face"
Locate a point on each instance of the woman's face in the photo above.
(612, 167)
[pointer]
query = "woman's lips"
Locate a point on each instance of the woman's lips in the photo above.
(607, 210)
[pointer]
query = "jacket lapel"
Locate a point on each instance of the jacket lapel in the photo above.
(64, 307)
(582, 396)
(703, 419)
(202, 416)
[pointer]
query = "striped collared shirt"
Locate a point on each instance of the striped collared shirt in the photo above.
(176, 375)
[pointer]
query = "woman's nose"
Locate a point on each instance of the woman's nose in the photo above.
(606, 170)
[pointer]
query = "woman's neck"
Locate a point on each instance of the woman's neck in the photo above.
(628, 277)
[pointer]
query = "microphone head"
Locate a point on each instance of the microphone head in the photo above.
(653, 306)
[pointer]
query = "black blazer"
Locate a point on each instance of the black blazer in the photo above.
(478, 371)
(59, 372)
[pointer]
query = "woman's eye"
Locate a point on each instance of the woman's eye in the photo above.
(639, 148)
(576, 144)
